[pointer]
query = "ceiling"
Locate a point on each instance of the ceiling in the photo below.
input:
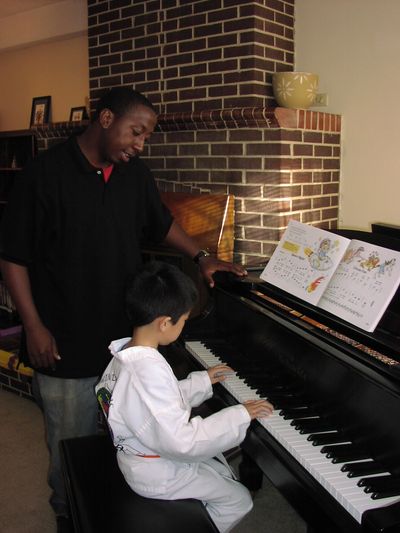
(11, 7)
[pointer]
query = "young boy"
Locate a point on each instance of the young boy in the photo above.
(161, 451)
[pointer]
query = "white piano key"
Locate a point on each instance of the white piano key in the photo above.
(344, 489)
(357, 508)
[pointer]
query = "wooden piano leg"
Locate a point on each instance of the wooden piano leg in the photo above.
(249, 473)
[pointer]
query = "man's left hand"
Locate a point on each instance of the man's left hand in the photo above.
(208, 265)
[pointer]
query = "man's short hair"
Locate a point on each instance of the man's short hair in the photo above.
(159, 289)
(121, 100)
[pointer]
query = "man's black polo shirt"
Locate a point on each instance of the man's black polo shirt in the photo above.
(80, 238)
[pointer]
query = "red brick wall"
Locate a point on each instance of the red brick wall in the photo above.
(191, 55)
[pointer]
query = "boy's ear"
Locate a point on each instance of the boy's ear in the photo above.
(164, 323)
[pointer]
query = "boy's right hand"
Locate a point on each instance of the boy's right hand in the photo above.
(259, 408)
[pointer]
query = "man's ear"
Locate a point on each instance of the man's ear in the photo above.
(164, 323)
(106, 118)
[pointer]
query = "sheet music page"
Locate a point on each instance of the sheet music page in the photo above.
(305, 260)
(363, 285)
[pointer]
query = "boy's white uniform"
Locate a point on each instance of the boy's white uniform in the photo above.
(162, 453)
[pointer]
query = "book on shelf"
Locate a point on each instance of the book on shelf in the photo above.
(352, 279)
(11, 330)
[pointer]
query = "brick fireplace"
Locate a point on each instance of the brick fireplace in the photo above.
(207, 65)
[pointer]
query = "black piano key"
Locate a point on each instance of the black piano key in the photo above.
(363, 468)
(259, 377)
(278, 395)
(356, 455)
(322, 439)
(312, 425)
(274, 382)
(377, 483)
(297, 420)
(345, 453)
(273, 387)
(385, 494)
(285, 387)
(299, 412)
(251, 366)
(257, 380)
(337, 448)
(266, 389)
(284, 403)
(256, 372)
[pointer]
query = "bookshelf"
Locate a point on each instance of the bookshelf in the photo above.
(16, 149)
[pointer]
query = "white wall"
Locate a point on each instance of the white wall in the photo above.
(58, 68)
(354, 46)
(58, 20)
(43, 52)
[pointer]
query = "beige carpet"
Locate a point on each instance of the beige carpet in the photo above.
(270, 513)
(23, 465)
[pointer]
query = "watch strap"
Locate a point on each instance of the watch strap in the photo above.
(199, 255)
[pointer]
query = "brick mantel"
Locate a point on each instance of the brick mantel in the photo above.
(250, 117)
(245, 117)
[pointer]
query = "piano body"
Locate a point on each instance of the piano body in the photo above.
(332, 447)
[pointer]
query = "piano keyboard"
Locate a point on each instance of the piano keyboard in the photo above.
(343, 488)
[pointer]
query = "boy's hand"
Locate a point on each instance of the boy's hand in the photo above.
(259, 408)
(219, 373)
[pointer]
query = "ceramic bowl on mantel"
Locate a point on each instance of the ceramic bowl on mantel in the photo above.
(296, 90)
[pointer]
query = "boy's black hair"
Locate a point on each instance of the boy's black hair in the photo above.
(159, 289)
(120, 100)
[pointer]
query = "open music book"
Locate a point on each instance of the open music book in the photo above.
(352, 279)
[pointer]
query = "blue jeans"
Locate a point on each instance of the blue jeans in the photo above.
(70, 410)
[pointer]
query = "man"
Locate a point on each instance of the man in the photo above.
(70, 237)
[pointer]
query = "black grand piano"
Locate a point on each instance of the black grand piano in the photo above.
(332, 447)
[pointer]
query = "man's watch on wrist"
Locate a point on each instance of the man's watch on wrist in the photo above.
(199, 255)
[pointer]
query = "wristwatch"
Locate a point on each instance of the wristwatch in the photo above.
(199, 255)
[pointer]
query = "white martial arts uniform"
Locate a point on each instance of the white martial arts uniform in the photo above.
(161, 452)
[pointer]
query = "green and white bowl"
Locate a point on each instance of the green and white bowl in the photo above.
(296, 90)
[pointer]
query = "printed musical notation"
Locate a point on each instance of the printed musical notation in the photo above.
(354, 280)
(305, 260)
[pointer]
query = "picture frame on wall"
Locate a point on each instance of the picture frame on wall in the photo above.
(40, 112)
(78, 113)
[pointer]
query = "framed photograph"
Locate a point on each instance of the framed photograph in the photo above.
(40, 110)
(78, 113)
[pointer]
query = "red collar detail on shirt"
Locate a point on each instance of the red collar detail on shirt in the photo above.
(107, 172)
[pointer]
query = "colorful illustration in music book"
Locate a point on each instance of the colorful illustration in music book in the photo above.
(352, 279)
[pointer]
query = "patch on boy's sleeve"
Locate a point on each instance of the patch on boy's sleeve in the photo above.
(104, 398)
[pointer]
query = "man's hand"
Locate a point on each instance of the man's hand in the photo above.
(208, 265)
(42, 348)
(180, 240)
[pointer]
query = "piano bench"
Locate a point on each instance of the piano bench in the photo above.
(101, 500)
